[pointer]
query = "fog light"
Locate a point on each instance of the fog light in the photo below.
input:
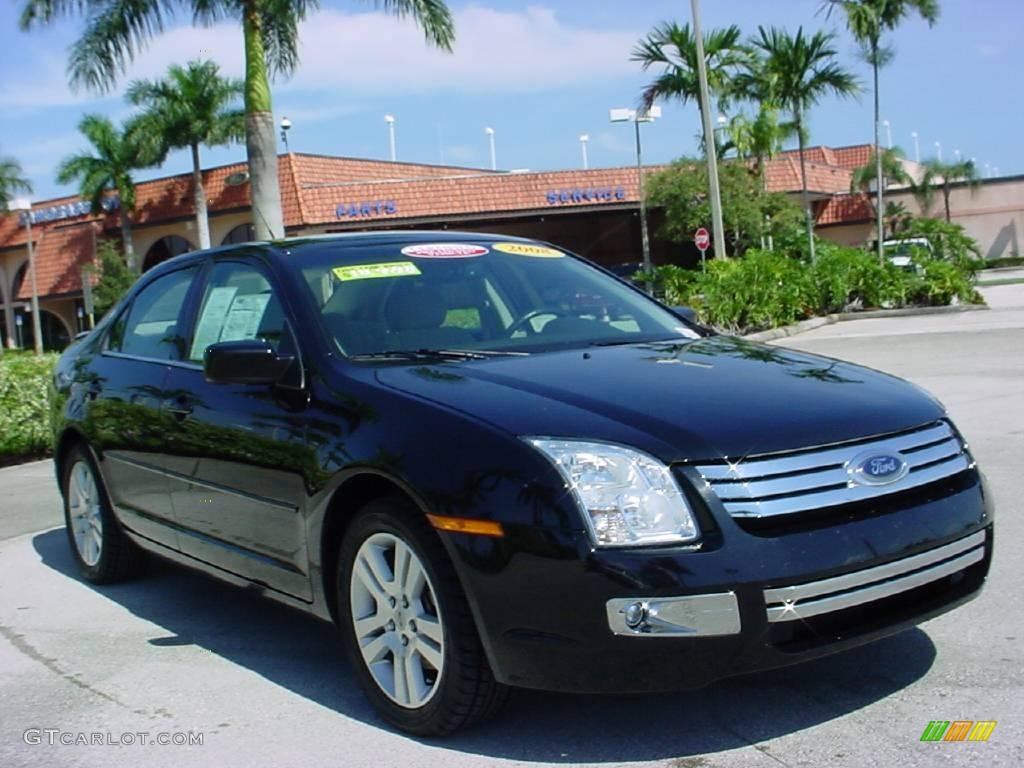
(635, 614)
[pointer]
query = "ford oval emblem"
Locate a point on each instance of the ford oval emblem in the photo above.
(877, 468)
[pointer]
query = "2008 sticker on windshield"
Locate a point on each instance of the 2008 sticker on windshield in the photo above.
(369, 271)
(444, 250)
(528, 249)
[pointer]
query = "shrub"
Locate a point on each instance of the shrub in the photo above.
(764, 289)
(24, 384)
(845, 278)
(114, 277)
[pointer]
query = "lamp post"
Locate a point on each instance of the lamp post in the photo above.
(723, 123)
(584, 138)
(956, 154)
(622, 115)
(25, 205)
(390, 120)
(888, 133)
(917, 146)
(494, 157)
(286, 125)
(938, 150)
(718, 231)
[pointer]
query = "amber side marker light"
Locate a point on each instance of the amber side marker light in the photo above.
(464, 525)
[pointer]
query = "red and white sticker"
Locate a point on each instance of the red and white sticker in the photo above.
(444, 250)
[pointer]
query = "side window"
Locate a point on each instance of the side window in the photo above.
(150, 326)
(238, 304)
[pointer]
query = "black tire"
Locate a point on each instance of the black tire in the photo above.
(117, 557)
(465, 691)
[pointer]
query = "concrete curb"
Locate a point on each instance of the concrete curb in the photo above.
(817, 322)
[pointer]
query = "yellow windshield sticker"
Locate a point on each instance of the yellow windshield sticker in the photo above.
(527, 249)
(368, 271)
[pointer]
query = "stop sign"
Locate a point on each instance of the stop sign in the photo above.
(702, 239)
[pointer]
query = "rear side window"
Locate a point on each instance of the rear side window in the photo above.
(150, 327)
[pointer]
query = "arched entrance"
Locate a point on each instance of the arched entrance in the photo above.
(165, 248)
(56, 335)
(243, 233)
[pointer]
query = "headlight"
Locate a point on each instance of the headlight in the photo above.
(628, 498)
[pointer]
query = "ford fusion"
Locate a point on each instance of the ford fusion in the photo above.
(494, 465)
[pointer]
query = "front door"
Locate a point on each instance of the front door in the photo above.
(242, 446)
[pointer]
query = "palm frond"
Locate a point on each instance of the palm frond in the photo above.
(432, 16)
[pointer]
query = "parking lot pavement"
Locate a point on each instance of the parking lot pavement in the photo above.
(177, 652)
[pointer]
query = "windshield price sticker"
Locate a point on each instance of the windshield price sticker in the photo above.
(444, 251)
(527, 249)
(368, 271)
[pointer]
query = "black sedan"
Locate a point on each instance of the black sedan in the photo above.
(493, 464)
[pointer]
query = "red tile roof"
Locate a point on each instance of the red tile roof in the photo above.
(846, 209)
(60, 254)
(783, 175)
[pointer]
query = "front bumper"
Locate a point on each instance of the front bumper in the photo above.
(553, 612)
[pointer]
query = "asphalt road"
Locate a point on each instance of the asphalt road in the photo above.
(177, 652)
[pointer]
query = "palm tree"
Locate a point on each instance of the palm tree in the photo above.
(12, 180)
(116, 30)
(802, 70)
(116, 153)
(897, 217)
(188, 108)
(944, 175)
(867, 21)
(673, 48)
(893, 171)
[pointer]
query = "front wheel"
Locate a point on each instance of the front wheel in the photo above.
(103, 552)
(408, 630)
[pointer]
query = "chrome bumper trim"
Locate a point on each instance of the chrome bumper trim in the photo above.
(801, 601)
(686, 616)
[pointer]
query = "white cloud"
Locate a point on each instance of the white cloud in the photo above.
(516, 51)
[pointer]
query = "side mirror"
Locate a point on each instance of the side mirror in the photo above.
(686, 313)
(244, 362)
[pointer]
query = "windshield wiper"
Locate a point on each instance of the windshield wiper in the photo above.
(434, 354)
(624, 342)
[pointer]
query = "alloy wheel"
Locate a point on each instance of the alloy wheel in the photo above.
(86, 513)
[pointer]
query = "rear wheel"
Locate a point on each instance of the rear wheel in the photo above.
(408, 630)
(103, 552)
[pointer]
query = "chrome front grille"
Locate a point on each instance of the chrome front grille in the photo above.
(784, 484)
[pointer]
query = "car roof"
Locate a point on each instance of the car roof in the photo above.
(275, 249)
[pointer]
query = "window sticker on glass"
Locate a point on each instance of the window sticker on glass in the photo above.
(368, 271)
(528, 249)
(208, 328)
(444, 251)
(244, 316)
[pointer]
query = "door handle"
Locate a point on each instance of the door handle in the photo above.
(179, 407)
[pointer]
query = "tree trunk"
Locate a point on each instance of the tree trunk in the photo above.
(879, 178)
(945, 197)
(805, 194)
(260, 141)
(202, 220)
(129, 246)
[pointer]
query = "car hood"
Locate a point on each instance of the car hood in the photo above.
(718, 397)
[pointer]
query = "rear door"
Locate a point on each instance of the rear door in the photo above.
(243, 446)
(128, 414)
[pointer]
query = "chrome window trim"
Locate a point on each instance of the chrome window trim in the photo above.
(801, 601)
(160, 361)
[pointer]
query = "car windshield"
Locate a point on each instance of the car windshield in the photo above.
(491, 296)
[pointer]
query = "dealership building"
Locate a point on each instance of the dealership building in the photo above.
(595, 213)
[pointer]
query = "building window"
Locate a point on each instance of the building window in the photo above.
(166, 248)
(243, 233)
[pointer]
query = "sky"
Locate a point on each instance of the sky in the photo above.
(540, 74)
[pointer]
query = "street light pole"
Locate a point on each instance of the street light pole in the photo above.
(494, 157)
(37, 328)
(888, 133)
(938, 150)
(917, 147)
(286, 125)
(584, 138)
(626, 115)
(709, 136)
(390, 120)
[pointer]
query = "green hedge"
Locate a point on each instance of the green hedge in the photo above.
(767, 289)
(24, 425)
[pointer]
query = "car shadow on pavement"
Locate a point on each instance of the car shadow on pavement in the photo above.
(301, 654)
